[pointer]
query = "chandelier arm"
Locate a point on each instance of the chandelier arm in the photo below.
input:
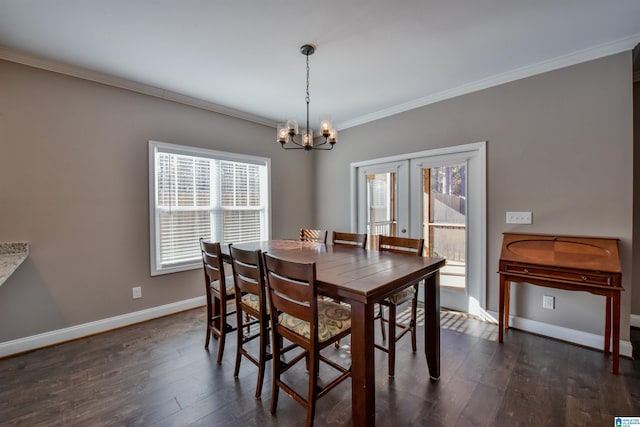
(298, 146)
(322, 143)
(293, 141)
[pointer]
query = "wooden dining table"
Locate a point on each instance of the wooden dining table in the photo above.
(362, 278)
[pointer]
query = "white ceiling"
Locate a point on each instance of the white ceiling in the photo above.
(374, 58)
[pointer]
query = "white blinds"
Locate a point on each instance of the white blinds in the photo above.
(216, 199)
(242, 201)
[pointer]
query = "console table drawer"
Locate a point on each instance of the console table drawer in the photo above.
(551, 273)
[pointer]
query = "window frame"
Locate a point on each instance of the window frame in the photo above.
(154, 241)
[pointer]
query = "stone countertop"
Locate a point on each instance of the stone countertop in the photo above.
(11, 256)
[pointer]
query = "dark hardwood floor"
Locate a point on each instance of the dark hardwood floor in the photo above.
(158, 374)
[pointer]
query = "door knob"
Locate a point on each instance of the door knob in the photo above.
(404, 230)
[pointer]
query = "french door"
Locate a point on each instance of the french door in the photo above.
(448, 211)
(437, 195)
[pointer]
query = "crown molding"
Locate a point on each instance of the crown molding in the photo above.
(574, 58)
(83, 73)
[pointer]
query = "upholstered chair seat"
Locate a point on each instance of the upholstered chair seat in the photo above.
(333, 320)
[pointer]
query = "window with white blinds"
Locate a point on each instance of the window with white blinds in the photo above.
(196, 193)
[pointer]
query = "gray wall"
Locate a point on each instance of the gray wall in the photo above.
(74, 183)
(559, 144)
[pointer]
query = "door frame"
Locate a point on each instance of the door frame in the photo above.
(477, 302)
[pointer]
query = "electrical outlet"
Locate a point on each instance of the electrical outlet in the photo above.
(549, 302)
(137, 292)
(518, 217)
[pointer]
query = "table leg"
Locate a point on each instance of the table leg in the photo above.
(507, 302)
(432, 324)
(363, 397)
(501, 310)
(616, 331)
(607, 325)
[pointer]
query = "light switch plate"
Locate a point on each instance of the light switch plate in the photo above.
(518, 217)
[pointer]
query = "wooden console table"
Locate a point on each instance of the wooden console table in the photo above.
(564, 262)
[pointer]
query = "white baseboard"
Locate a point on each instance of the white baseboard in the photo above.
(33, 342)
(635, 320)
(565, 334)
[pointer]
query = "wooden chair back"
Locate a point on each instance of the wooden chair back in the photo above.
(292, 289)
(401, 245)
(349, 239)
(213, 264)
(309, 235)
(248, 273)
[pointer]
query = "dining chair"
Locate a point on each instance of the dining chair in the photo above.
(409, 246)
(339, 238)
(251, 309)
(311, 323)
(349, 240)
(219, 292)
(309, 235)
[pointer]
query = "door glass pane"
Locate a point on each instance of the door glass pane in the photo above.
(445, 221)
(381, 211)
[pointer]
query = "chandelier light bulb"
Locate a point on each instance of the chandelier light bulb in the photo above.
(325, 128)
(292, 125)
(282, 133)
(307, 138)
(333, 136)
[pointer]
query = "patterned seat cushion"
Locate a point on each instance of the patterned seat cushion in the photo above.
(402, 296)
(253, 301)
(229, 285)
(333, 318)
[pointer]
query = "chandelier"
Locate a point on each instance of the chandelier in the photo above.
(287, 132)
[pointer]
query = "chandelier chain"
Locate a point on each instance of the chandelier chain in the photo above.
(307, 98)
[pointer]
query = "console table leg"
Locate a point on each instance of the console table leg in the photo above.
(607, 325)
(507, 302)
(501, 310)
(616, 332)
